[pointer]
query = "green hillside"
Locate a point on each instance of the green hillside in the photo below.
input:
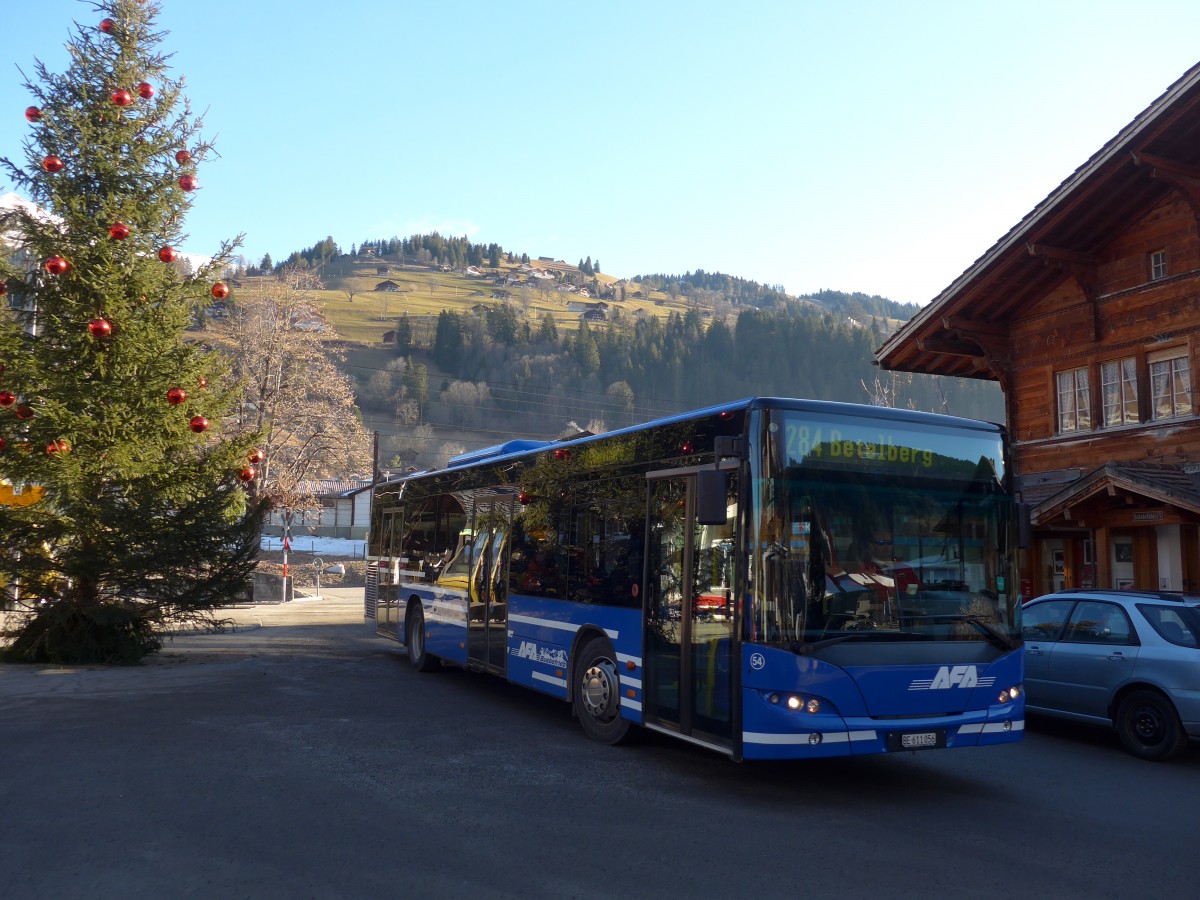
(361, 314)
(446, 361)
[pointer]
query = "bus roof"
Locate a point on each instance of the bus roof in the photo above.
(508, 448)
(829, 407)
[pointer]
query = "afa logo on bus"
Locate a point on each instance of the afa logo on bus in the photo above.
(951, 677)
(551, 656)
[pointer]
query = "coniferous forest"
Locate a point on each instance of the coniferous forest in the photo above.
(481, 374)
(503, 375)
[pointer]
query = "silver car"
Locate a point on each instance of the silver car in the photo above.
(1127, 659)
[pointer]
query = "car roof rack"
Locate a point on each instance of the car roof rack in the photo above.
(1168, 596)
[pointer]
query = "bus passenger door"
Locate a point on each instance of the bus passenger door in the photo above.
(387, 591)
(689, 614)
(487, 618)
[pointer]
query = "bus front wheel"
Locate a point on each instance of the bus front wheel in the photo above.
(414, 638)
(598, 693)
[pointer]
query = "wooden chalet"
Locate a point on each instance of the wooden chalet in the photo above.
(1087, 312)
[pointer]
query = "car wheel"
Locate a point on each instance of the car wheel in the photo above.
(598, 693)
(414, 637)
(1149, 727)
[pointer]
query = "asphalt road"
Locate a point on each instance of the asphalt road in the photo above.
(299, 756)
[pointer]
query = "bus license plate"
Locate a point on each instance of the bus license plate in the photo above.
(919, 740)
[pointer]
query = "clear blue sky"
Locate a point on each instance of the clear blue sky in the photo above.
(859, 146)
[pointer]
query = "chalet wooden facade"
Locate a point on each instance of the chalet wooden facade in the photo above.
(1087, 312)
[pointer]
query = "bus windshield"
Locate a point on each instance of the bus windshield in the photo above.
(879, 532)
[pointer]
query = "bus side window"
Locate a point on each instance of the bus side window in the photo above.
(533, 567)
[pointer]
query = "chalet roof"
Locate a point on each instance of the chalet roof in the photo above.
(332, 487)
(1121, 181)
(1112, 483)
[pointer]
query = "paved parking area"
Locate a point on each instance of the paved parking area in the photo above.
(287, 630)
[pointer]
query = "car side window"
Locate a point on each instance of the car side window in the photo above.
(1171, 625)
(1043, 621)
(1096, 622)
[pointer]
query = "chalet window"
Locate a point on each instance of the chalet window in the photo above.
(1170, 384)
(1118, 383)
(1074, 401)
(1158, 265)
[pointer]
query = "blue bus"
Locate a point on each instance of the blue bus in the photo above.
(771, 578)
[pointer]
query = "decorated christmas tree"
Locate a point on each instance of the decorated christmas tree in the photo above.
(110, 413)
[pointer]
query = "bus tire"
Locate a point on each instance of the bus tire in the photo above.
(414, 638)
(597, 694)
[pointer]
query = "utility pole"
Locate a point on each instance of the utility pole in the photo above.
(374, 481)
(287, 545)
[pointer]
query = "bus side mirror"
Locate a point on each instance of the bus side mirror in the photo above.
(712, 508)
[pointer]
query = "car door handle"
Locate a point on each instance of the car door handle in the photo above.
(1119, 657)
(1033, 651)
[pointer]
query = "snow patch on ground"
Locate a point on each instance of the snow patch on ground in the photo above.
(341, 547)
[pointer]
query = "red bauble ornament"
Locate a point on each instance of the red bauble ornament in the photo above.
(167, 254)
(176, 395)
(247, 473)
(57, 446)
(182, 157)
(255, 456)
(24, 412)
(220, 290)
(33, 114)
(7, 398)
(188, 182)
(99, 328)
(145, 90)
(122, 97)
(202, 381)
(52, 164)
(3, 291)
(108, 26)
(198, 424)
(3, 444)
(56, 265)
(118, 231)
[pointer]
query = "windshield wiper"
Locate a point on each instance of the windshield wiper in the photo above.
(999, 638)
(805, 649)
(884, 634)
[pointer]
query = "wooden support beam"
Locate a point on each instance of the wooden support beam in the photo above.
(1184, 176)
(1062, 255)
(949, 348)
(1163, 167)
(970, 327)
(1083, 267)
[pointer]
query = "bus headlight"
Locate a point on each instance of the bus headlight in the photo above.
(798, 703)
(1011, 694)
(794, 702)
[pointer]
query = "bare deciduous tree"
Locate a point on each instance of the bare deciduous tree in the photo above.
(294, 393)
(465, 401)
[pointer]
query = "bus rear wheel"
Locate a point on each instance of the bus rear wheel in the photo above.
(414, 637)
(598, 693)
